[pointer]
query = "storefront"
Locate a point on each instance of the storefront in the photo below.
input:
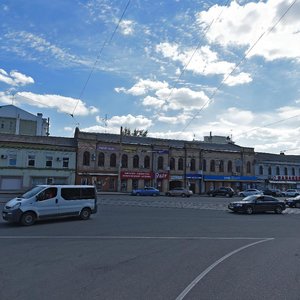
(193, 182)
(238, 183)
(284, 182)
(104, 182)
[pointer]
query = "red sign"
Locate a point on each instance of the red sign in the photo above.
(136, 175)
(286, 178)
(161, 175)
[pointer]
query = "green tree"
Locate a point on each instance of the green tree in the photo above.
(136, 132)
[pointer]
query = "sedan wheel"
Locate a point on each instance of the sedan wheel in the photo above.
(297, 205)
(278, 210)
(249, 210)
(183, 195)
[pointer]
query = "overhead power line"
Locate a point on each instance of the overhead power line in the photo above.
(239, 63)
(106, 42)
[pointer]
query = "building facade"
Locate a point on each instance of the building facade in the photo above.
(14, 120)
(27, 161)
(122, 163)
(277, 171)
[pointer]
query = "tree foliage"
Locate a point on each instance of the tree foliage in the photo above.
(135, 132)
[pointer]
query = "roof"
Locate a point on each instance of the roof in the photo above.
(272, 157)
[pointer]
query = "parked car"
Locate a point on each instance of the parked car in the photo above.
(147, 191)
(221, 191)
(179, 192)
(257, 203)
(249, 192)
(290, 193)
(293, 202)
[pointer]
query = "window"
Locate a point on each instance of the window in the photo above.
(47, 194)
(193, 164)
(147, 162)
(49, 160)
(111, 184)
(293, 172)
(180, 163)
(135, 184)
(270, 171)
(136, 161)
(86, 158)
(229, 166)
(31, 160)
(101, 159)
(124, 161)
(221, 166)
(238, 169)
(113, 160)
(160, 163)
(285, 171)
(12, 159)
(212, 166)
(277, 171)
(204, 165)
(172, 163)
(65, 162)
(261, 170)
(248, 167)
(78, 193)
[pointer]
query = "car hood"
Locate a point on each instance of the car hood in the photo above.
(14, 201)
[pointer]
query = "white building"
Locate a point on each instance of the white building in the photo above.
(14, 120)
(27, 161)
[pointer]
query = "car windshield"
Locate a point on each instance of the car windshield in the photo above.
(32, 192)
(249, 198)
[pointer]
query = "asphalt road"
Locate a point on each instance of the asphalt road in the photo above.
(132, 250)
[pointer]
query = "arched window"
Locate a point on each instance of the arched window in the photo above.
(248, 167)
(147, 162)
(270, 171)
(204, 165)
(229, 166)
(86, 158)
(277, 171)
(293, 172)
(124, 161)
(221, 166)
(285, 171)
(212, 166)
(172, 163)
(136, 161)
(113, 160)
(180, 163)
(160, 163)
(101, 158)
(261, 170)
(193, 165)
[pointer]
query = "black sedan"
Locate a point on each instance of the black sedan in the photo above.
(293, 202)
(257, 203)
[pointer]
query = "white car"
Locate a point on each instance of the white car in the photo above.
(249, 192)
(290, 193)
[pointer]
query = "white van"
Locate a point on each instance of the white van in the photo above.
(51, 201)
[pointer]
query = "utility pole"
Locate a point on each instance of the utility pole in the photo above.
(120, 160)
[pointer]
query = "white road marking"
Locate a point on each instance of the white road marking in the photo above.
(211, 267)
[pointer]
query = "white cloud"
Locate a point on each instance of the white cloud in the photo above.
(242, 25)
(60, 103)
(138, 122)
(174, 120)
(127, 27)
(15, 78)
(241, 78)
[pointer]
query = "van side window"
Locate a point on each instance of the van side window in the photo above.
(78, 193)
(47, 194)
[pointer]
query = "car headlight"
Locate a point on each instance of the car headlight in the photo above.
(16, 206)
(238, 205)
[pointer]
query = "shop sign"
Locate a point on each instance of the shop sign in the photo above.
(106, 148)
(161, 175)
(136, 175)
(176, 177)
(193, 176)
(230, 178)
(286, 178)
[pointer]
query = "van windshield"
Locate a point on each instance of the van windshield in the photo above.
(32, 192)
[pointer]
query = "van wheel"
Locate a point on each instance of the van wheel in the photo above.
(85, 214)
(28, 219)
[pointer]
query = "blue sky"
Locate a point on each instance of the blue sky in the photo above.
(177, 68)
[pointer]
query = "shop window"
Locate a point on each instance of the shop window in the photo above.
(172, 163)
(124, 161)
(86, 158)
(212, 166)
(229, 166)
(180, 163)
(111, 184)
(147, 183)
(160, 163)
(124, 185)
(135, 184)
(101, 159)
(193, 165)
(261, 170)
(136, 161)
(147, 162)
(113, 160)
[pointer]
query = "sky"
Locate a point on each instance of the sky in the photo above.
(180, 69)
